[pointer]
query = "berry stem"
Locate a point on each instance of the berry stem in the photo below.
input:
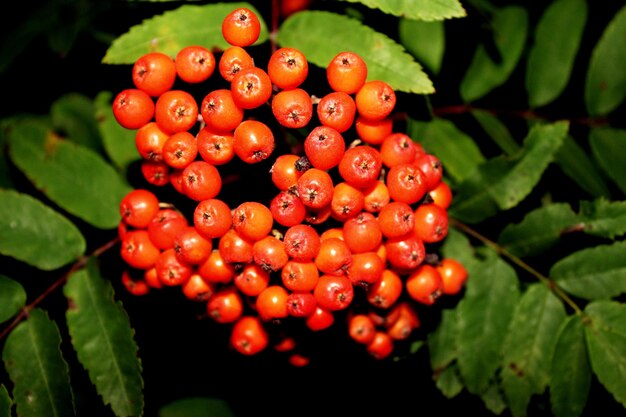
(551, 284)
(79, 264)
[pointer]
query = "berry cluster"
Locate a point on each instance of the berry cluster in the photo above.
(348, 228)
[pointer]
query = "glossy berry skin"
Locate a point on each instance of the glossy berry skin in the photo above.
(375, 100)
(284, 172)
(406, 183)
(253, 141)
(287, 209)
(292, 108)
(362, 233)
(191, 247)
(397, 149)
(155, 173)
(320, 319)
(138, 207)
(133, 108)
(194, 63)
(248, 336)
(361, 328)
(337, 110)
(334, 257)
(271, 303)
(453, 275)
(431, 223)
(215, 148)
(347, 202)
(269, 253)
(251, 88)
(216, 270)
(165, 226)
(299, 276)
(219, 111)
(233, 60)
(366, 269)
(252, 220)
(373, 132)
(180, 149)
(360, 166)
(424, 285)
(432, 168)
(137, 287)
(197, 289)
(225, 306)
(324, 147)
(381, 346)
(346, 72)
(406, 252)
(301, 304)
(154, 73)
(170, 270)
(212, 218)
(150, 140)
(252, 280)
(138, 251)
(396, 219)
(441, 195)
(386, 291)
(234, 248)
(315, 188)
(302, 242)
(201, 181)
(287, 68)
(241, 27)
(333, 292)
(375, 197)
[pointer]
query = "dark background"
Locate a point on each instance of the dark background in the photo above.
(185, 354)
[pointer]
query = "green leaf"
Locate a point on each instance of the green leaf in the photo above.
(552, 56)
(606, 342)
(483, 316)
(12, 298)
(196, 407)
(604, 218)
(493, 398)
(119, 143)
(74, 116)
(74, 177)
(449, 382)
(497, 131)
(175, 29)
(103, 339)
(40, 375)
(529, 345)
(593, 273)
(576, 164)
(456, 245)
(570, 374)
(538, 231)
(442, 342)
(5, 402)
(34, 233)
(501, 183)
(428, 10)
(510, 27)
(458, 152)
(426, 41)
(605, 86)
(386, 60)
(608, 147)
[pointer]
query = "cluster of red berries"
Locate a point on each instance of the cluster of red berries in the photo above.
(345, 222)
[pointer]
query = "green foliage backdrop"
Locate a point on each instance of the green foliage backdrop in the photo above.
(523, 103)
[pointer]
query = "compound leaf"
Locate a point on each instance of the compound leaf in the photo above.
(40, 375)
(34, 233)
(119, 143)
(74, 177)
(529, 345)
(570, 373)
(386, 59)
(510, 27)
(593, 273)
(551, 58)
(196, 407)
(608, 146)
(458, 151)
(5, 402)
(483, 316)
(102, 336)
(605, 86)
(175, 29)
(74, 116)
(576, 164)
(606, 342)
(12, 298)
(603, 218)
(538, 231)
(501, 183)
(428, 10)
(426, 41)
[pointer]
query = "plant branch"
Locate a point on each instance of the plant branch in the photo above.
(79, 264)
(519, 262)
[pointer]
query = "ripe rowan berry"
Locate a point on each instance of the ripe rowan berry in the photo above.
(320, 319)
(135, 286)
(361, 328)
(347, 202)
(212, 218)
(346, 72)
(424, 285)
(138, 207)
(373, 132)
(201, 181)
(441, 195)
(197, 289)
(366, 269)
(292, 108)
(315, 188)
(396, 149)
(360, 166)
(133, 108)
(191, 247)
(324, 147)
(176, 111)
(251, 88)
(269, 252)
(431, 223)
(287, 209)
(432, 168)
(337, 110)
(301, 304)
(151, 278)
(253, 141)
(180, 149)
(219, 111)
(375, 100)
(386, 291)
(453, 275)
(138, 251)
(216, 270)
(164, 227)
(396, 219)
(284, 172)
(302, 242)
(225, 306)
(375, 197)
(233, 60)
(149, 141)
(381, 346)
(271, 303)
(252, 220)
(299, 276)
(248, 336)
(287, 68)
(406, 252)
(194, 63)
(334, 257)
(241, 27)
(252, 280)
(215, 148)
(234, 248)
(170, 270)
(406, 183)
(154, 73)
(155, 173)
(333, 292)
(362, 233)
